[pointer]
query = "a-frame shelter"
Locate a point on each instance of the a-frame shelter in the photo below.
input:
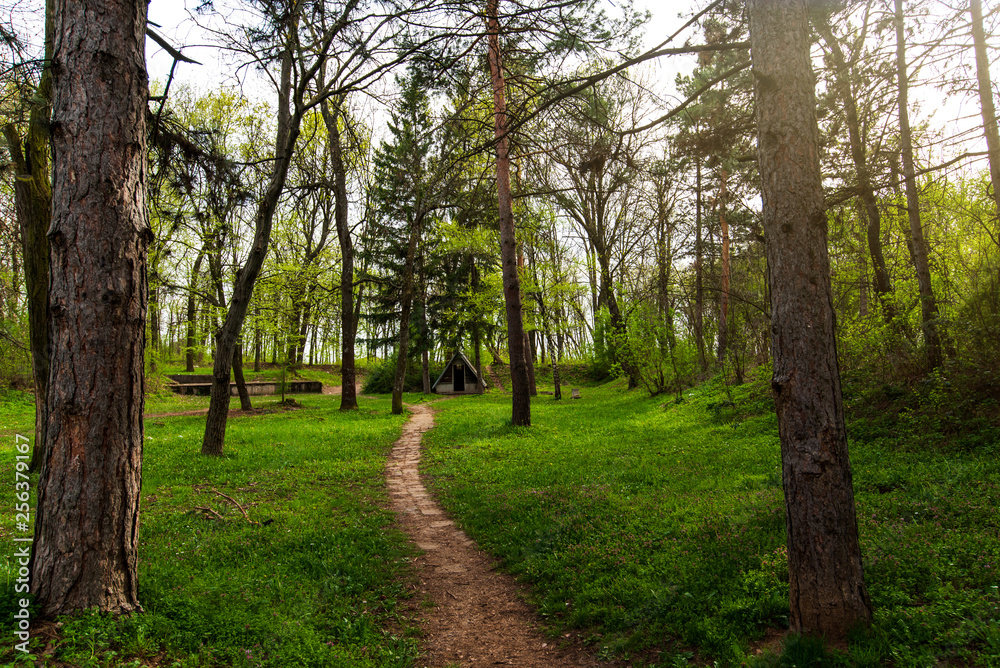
(459, 377)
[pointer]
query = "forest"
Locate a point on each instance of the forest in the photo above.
(750, 246)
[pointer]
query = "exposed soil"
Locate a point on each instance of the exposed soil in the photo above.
(478, 616)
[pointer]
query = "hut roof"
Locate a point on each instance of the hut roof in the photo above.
(458, 355)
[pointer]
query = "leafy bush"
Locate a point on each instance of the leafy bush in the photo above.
(381, 376)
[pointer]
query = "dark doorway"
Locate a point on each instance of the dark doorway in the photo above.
(459, 378)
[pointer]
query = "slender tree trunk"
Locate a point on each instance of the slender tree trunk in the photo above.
(477, 338)
(406, 300)
(843, 76)
(724, 294)
(928, 304)
(552, 357)
(827, 593)
(986, 102)
(192, 315)
(226, 338)
(348, 307)
(241, 385)
(306, 323)
(699, 289)
(153, 315)
(621, 350)
(294, 326)
(520, 385)
(425, 361)
(87, 523)
(529, 363)
(257, 339)
(529, 336)
(33, 206)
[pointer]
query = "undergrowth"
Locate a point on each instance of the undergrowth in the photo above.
(312, 578)
(656, 530)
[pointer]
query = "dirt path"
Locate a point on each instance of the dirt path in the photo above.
(478, 617)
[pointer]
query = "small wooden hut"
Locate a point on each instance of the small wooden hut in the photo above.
(458, 377)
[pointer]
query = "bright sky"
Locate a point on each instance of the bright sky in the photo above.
(174, 16)
(180, 30)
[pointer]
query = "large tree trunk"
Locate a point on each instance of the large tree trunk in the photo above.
(33, 206)
(986, 103)
(827, 593)
(227, 336)
(520, 388)
(928, 304)
(87, 523)
(348, 307)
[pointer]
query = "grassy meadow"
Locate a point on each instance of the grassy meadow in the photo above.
(656, 530)
(314, 581)
(651, 530)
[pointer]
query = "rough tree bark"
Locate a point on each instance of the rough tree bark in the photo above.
(827, 593)
(86, 530)
(520, 388)
(918, 245)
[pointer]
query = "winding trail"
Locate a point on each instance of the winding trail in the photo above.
(479, 617)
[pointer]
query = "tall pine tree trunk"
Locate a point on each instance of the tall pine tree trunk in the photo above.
(827, 593)
(520, 387)
(87, 522)
(928, 304)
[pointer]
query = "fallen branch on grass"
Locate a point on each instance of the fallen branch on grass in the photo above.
(209, 511)
(235, 503)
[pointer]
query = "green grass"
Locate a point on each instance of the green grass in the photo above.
(159, 398)
(653, 530)
(327, 374)
(17, 414)
(657, 529)
(317, 583)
